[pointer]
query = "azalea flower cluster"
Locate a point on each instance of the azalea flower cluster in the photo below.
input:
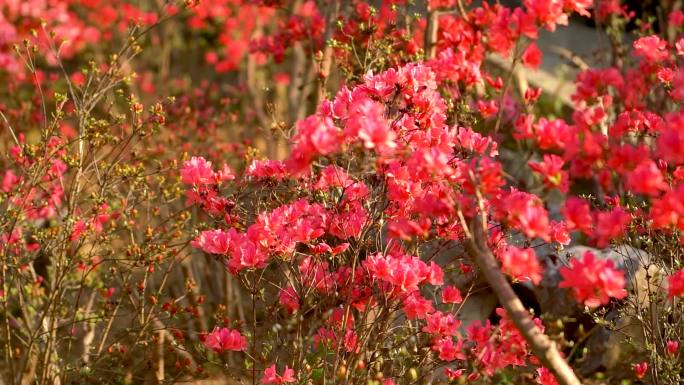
(52, 24)
(433, 177)
(593, 281)
(354, 255)
(424, 169)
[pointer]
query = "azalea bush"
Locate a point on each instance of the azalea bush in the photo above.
(317, 192)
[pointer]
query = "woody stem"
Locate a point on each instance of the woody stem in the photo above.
(542, 347)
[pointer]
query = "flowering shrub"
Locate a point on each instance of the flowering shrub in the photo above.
(320, 191)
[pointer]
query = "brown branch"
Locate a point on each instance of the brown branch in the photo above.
(326, 62)
(201, 323)
(160, 356)
(541, 345)
(431, 34)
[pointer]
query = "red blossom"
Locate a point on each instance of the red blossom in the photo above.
(672, 348)
(520, 264)
(548, 13)
(289, 299)
(197, 171)
(222, 339)
(651, 48)
(610, 225)
(646, 179)
(451, 294)
(415, 306)
(526, 213)
(441, 324)
(545, 377)
(675, 287)
(448, 350)
(551, 170)
(532, 57)
(641, 369)
(272, 377)
(593, 281)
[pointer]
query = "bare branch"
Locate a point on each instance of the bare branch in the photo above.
(541, 345)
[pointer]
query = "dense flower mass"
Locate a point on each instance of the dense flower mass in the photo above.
(593, 281)
(355, 192)
(404, 273)
(521, 264)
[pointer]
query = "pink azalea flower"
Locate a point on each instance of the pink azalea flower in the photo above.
(577, 215)
(521, 264)
(272, 377)
(640, 369)
(526, 213)
(415, 306)
(448, 351)
(676, 284)
(551, 171)
(532, 57)
(545, 377)
(262, 169)
(610, 225)
(289, 299)
(451, 294)
(651, 48)
(646, 179)
(197, 171)
(9, 181)
(369, 125)
(441, 324)
(672, 347)
(213, 242)
(593, 281)
(222, 339)
(548, 13)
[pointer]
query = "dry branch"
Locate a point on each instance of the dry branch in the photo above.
(541, 345)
